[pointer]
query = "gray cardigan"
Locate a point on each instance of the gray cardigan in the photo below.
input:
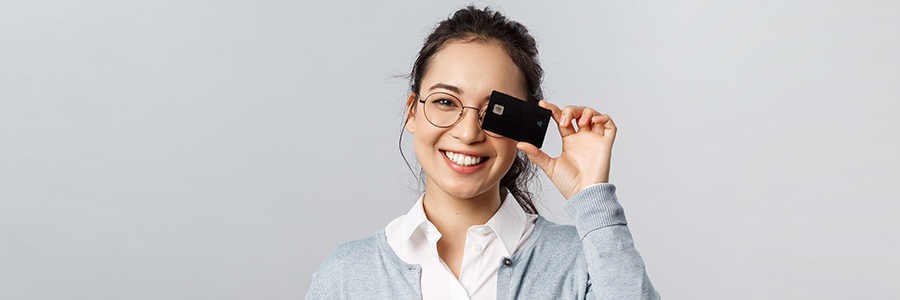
(595, 259)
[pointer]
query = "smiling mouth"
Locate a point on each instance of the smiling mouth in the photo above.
(464, 160)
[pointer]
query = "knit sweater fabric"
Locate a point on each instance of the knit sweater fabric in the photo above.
(594, 259)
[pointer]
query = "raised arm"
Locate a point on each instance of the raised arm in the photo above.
(581, 174)
(616, 268)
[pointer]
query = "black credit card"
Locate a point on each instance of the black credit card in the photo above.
(514, 118)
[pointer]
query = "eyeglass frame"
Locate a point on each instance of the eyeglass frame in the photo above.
(480, 111)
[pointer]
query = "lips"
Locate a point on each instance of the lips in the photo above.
(464, 159)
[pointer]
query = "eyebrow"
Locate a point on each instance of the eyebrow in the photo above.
(452, 88)
(446, 87)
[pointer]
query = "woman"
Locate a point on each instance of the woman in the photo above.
(475, 233)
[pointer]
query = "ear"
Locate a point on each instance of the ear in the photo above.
(411, 114)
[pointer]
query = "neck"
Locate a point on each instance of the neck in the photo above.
(453, 216)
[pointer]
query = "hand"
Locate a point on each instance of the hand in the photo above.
(586, 152)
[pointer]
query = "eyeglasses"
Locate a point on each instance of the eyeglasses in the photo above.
(444, 110)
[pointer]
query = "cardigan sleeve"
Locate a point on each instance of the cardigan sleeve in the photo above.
(615, 267)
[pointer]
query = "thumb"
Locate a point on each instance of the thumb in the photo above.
(540, 158)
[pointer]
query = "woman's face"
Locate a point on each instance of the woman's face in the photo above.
(470, 71)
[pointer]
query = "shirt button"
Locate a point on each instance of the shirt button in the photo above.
(482, 231)
(507, 262)
(477, 248)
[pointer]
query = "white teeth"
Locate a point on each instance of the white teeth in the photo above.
(463, 160)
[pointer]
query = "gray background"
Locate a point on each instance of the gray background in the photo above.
(221, 150)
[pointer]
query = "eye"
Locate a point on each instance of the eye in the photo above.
(445, 104)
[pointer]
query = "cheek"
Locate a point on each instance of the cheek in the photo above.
(426, 135)
(507, 150)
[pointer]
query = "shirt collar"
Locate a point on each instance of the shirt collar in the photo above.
(508, 223)
(413, 219)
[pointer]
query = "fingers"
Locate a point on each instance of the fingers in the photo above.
(585, 120)
(585, 117)
(552, 107)
(568, 114)
(540, 158)
(604, 125)
(563, 117)
(564, 127)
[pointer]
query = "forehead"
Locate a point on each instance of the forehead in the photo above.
(474, 67)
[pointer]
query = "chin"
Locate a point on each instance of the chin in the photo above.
(461, 190)
(465, 195)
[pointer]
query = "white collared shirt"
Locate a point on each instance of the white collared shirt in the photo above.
(414, 238)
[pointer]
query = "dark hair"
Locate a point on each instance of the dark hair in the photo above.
(485, 25)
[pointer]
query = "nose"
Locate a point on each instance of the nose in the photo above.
(468, 129)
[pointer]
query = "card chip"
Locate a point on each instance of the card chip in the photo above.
(498, 109)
